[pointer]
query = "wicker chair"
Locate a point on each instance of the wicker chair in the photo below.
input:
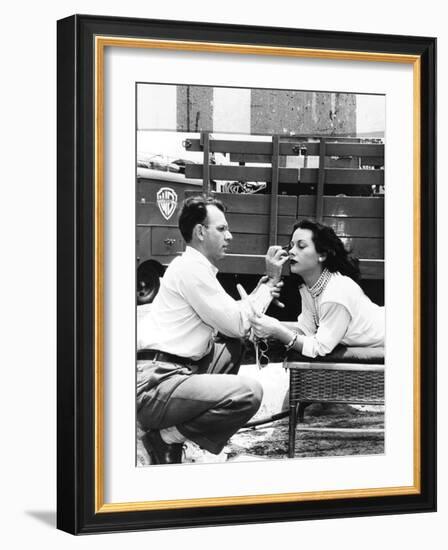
(347, 375)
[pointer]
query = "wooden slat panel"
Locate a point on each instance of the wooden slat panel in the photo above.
(372, 270)
(244, 243)
(288, 148)
(161, 248)
(354, 227)
(342, 162)
(372, 161)
(241, 157)
(149, 176)
(355, 149)
(143, 243)
(331, 162)
(230, 146)
(254, 204)
(242, 173)
(245, 147)
(148, 214)
(365, 248)
(147, 188)
(343, 176)
(205, 142)
(343, 149)
(258, 223)
(321, 178)
(356, 207)
(273, 206)
(242, 264)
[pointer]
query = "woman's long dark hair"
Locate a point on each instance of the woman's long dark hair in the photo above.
(327, 242)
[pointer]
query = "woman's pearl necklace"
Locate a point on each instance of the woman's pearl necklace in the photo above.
(317, 289)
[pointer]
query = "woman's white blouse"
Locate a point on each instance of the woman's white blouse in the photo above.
(341, 314)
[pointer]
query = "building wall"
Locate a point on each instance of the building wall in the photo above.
(303, 113)
(265, 111)
(194, 108)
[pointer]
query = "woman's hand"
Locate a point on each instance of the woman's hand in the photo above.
(265, 326)
(276, 256)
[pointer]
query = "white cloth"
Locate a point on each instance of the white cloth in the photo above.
(192, 306)
(344, 315)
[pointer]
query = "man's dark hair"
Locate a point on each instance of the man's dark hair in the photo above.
(194, 211)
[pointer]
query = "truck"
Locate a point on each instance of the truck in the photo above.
(266, 186)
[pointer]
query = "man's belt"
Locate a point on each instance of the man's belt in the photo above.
(156, 355)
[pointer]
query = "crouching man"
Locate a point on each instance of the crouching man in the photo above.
(186, 388)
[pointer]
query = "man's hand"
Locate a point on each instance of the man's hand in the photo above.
(275, 258)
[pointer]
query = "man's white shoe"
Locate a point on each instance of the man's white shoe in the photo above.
(192, 453)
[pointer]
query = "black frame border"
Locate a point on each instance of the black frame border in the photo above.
(76, 263)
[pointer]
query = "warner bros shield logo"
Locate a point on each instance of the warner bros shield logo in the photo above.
(166, 201)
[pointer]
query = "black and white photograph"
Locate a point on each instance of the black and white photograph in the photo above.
(260, 319)
(246, 242)
(240, 195)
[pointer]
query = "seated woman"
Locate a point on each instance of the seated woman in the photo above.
(335, 309)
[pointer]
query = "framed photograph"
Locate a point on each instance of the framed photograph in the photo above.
(198, 166)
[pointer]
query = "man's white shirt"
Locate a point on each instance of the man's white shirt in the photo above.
(192, 306)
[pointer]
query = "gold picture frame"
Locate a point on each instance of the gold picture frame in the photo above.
(82, 41)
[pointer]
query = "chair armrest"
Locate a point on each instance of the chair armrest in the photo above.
(342, 354)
